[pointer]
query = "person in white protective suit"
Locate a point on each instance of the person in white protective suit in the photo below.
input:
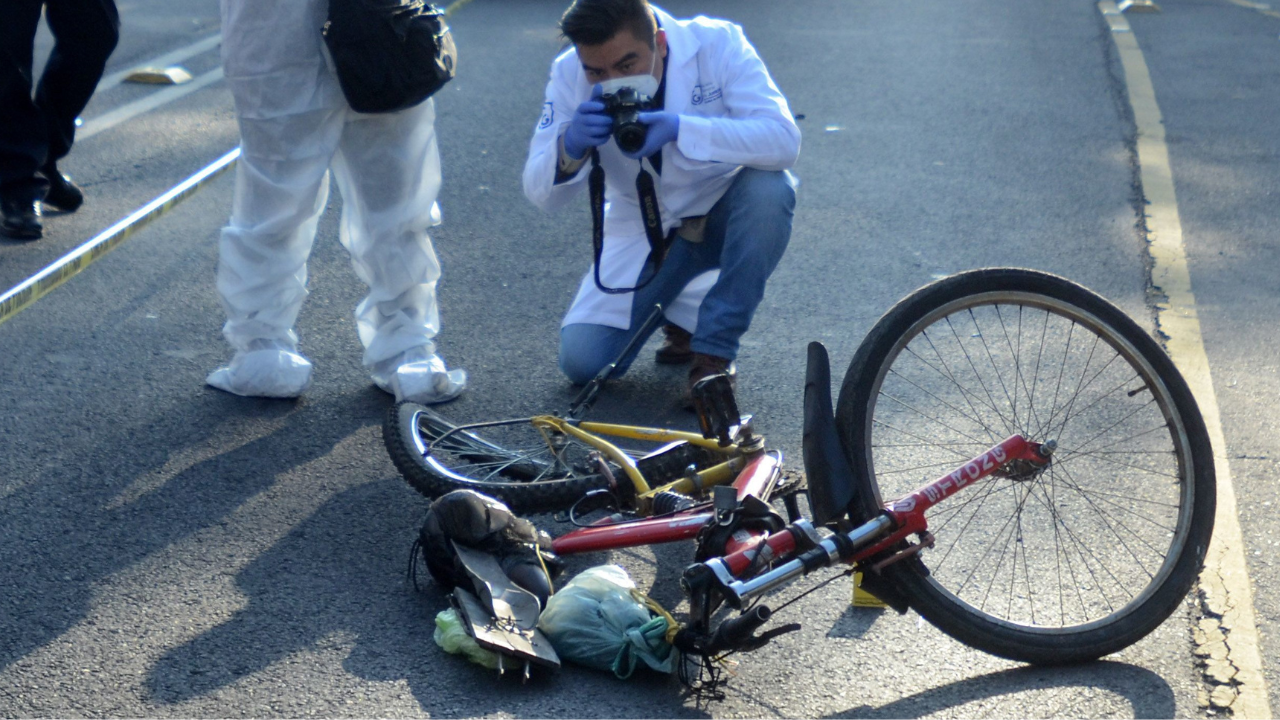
(718, 143)
(295, 125)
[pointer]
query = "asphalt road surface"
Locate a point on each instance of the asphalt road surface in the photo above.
(168, 549)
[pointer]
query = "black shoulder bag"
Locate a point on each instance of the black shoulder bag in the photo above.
(389, 54)
(649, 212)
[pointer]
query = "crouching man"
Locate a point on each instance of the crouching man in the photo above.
(694, 141)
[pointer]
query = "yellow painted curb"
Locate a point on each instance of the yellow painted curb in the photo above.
(1224, 582)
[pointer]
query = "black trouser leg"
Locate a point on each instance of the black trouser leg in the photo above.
(85, 33)
(34, 133)
(23, 137)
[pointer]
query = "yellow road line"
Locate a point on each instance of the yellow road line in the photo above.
(69, 265)
(1224, 583)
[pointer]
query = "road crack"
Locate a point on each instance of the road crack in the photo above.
(1212, 637)
(1230, 683)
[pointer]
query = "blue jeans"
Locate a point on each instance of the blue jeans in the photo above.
(746, 233)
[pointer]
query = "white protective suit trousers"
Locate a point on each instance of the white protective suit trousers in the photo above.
(295, 126)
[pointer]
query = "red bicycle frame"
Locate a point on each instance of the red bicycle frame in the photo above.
(610, 534)
(901, 518)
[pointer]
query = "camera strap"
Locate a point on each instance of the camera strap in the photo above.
(649, 213)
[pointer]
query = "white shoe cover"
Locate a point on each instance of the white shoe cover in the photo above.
(272, 373)
(418, 376)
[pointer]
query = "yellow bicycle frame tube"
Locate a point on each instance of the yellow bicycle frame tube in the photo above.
(584, 431)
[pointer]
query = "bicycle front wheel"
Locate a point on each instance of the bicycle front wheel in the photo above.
(1082, 559)
(516, 464)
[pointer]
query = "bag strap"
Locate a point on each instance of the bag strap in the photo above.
(649, 212)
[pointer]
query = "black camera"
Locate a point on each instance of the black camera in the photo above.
(625, 106)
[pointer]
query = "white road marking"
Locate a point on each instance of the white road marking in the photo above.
(199, 47)
(454, 7)
(1225, 580)
(147, 104)
(1263, 8)
(37, 286)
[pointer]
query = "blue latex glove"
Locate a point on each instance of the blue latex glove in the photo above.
(664, 127)
(589, 128)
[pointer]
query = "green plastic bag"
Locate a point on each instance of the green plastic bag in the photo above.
(597, 621)
(451, 636)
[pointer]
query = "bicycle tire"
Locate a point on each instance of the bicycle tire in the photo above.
(516, 476)
(1099, 521)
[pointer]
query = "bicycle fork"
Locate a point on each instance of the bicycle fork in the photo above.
(1015, 457)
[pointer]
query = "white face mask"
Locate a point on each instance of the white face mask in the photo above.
(646, 85)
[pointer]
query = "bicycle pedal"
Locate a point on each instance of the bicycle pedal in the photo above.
(717, 409)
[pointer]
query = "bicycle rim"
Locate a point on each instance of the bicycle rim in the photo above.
(1096, 550)
(513, 453)
(524, 467)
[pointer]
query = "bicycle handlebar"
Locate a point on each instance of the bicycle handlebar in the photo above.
(735, 633)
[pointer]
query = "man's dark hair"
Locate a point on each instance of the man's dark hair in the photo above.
(593, 22)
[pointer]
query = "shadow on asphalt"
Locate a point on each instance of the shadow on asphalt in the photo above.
(854, 622)
(337, 574)
(341, 573)
(1146, 692)
(65, 535)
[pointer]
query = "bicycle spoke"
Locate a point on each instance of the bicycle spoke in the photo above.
(1103, 517)
(999, 376)
(968, 395)
(907, 406)
(964, 415)
(1078, 456)
(927, 442)
(1075, 542)
(1089, 495)
(940, 528)
(990, 398)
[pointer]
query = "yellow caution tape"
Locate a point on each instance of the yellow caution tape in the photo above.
(69, 265)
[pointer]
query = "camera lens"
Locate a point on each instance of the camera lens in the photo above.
(630, 135)
(625, 106)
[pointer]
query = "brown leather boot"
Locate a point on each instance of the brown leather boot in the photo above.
(706, 366)
(675, 348)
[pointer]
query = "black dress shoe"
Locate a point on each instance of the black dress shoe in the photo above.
(63, 194)
(21, 220)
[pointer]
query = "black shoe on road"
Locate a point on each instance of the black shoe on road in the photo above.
(21, 220)
(63, 194)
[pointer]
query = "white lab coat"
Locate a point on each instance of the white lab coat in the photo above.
(731, 115)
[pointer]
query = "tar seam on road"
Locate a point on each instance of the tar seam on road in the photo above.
(1236, 661)
(66, 267)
